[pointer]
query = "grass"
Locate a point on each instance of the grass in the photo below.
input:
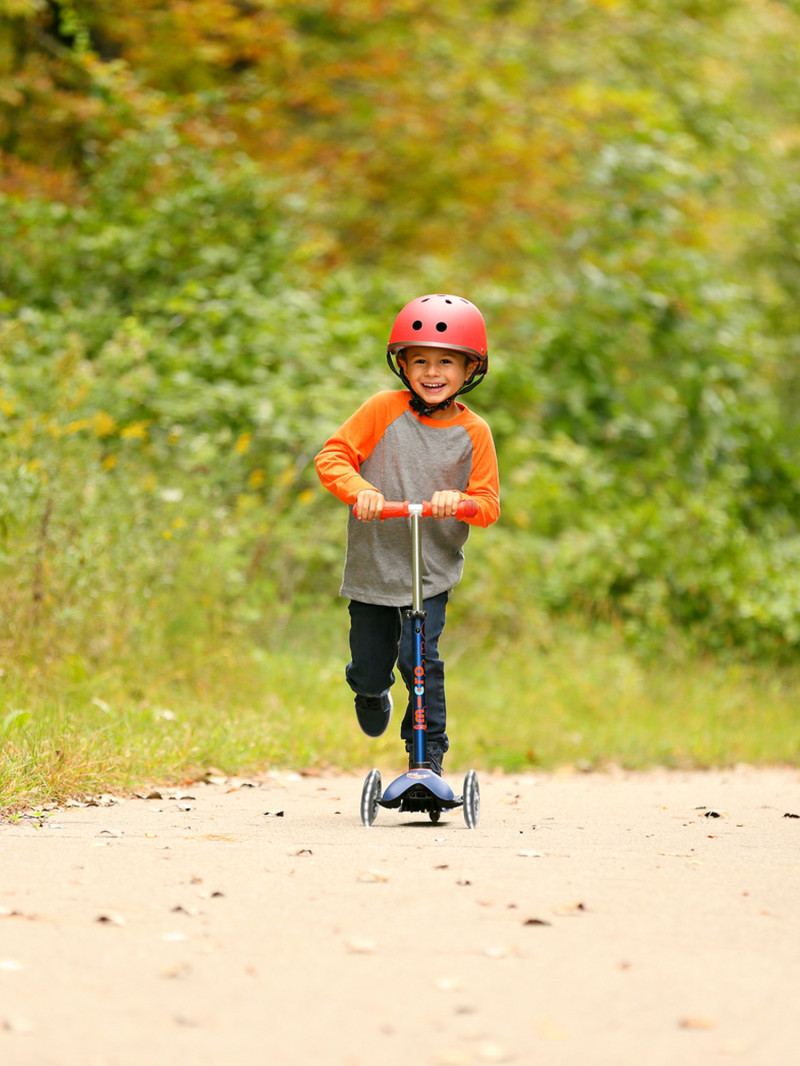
(538, 698)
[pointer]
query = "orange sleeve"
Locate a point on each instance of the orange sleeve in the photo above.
(484, 481)
(340, 460)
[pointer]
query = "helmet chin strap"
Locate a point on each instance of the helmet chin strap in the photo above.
(418, 405)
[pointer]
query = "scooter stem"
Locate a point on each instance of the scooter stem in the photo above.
(415, 514)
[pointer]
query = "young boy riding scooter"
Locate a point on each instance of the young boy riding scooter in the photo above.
(418, 443)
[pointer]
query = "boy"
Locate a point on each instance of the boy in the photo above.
(416, 444)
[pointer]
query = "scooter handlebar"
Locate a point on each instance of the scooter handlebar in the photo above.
(400, 509)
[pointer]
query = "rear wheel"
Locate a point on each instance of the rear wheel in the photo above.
(472, 799)
(370, 797)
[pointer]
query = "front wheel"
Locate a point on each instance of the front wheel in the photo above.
(370, 797)
(472, 799)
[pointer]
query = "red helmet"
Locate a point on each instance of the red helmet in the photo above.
(441, 322)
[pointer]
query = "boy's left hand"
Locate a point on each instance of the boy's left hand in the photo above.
(444, 503)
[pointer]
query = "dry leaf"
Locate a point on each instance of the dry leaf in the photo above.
(360, 946)
(500, 951)
(372, 877)
(697, 1022)
(569, 908)
(110, 919)
(16, 1025)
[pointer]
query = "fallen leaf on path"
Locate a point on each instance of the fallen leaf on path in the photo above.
(6, 912)
(16, 1025)
(372, 877)
(185, 1020)
(536, 921)
(790, 815)
(110, 919)
(360, 946)
(565, 909)
(697, 1022)
(302, 851)
(274, 814)
(500, 951)
(190, 912)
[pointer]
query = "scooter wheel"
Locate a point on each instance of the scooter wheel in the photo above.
(472, 799)
(370, 797)
(434, 814)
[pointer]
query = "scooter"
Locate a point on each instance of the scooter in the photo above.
(420, 789)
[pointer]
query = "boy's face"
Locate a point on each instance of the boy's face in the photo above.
(435, 374)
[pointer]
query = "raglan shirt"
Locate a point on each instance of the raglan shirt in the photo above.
(385, 446)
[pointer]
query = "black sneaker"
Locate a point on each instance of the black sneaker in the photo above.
(374, 713)
(434, 755)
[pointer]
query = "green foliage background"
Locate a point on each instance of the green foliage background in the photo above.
(210, 216)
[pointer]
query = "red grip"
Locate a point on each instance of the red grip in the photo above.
(467, 509)
(395, 509)
(399, 509)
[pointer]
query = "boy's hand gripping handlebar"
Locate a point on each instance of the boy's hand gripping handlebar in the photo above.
(402, 509)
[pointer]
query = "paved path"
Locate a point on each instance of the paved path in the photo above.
(590, 920)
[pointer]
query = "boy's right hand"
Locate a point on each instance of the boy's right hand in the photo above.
(369, 505)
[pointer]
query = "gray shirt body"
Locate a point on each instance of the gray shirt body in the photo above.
(411, 461)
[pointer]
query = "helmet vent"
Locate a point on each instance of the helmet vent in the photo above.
(416, 325)
(441, 327)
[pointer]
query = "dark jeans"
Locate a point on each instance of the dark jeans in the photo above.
(380, 637)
